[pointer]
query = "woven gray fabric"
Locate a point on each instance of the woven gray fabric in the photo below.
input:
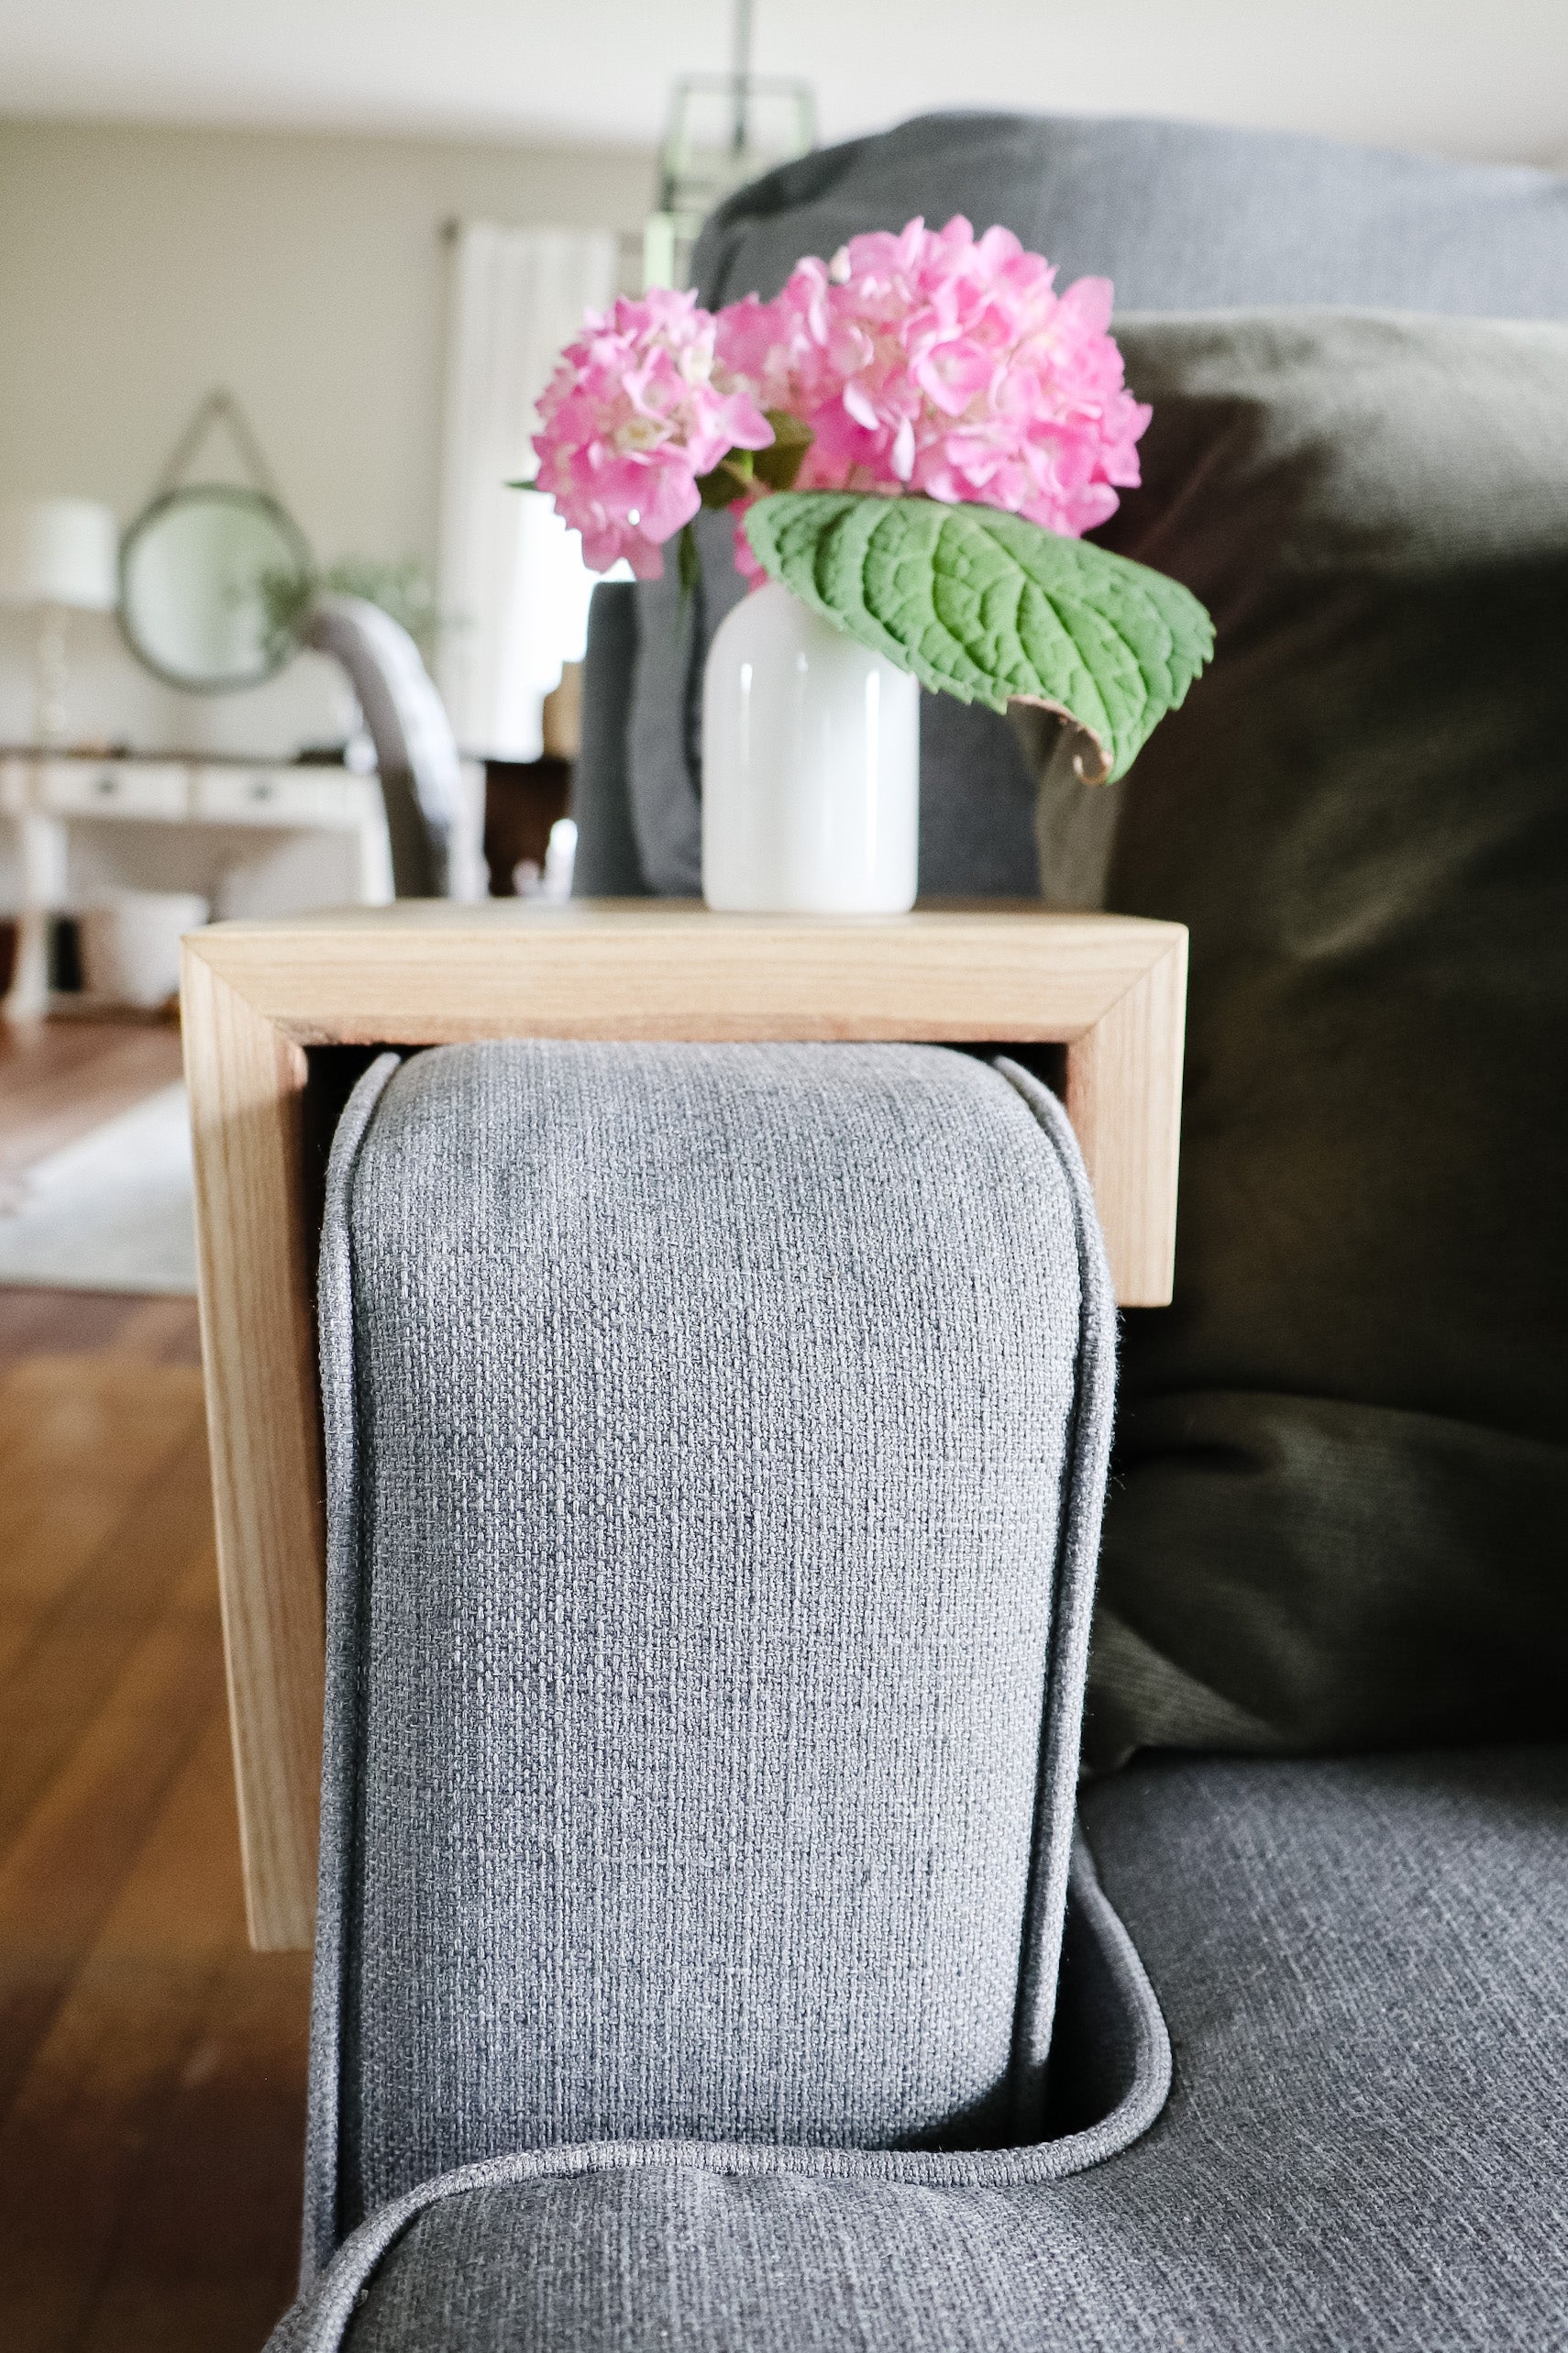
(716, 1450)
(1109, 2078)
(1182, 216)
(1366, 2149)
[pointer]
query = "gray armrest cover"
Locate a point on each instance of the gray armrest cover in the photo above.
(716, 1448)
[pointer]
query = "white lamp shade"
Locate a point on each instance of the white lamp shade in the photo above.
(59, 551)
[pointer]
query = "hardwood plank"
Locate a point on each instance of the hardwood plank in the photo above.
(81, 1438)
(40, 1322)
(77, 2130)
(209, 2255)
(149, 2165)
(160, 1331)
(65, 1869)
(151, 2143)
(70, 1649)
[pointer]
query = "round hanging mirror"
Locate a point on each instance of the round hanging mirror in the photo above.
(195, 568)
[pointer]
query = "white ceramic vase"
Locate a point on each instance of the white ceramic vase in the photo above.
(810, 767)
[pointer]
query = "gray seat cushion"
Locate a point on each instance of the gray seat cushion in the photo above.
(717, 1441)
(1182, 216)
(1109, 2079)
(1365, 2150)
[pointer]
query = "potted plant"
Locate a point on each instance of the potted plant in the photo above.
(915, 437)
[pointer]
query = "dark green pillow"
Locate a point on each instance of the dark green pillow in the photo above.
(1339, 1517)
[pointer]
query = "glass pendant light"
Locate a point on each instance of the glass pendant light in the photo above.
(721, 131)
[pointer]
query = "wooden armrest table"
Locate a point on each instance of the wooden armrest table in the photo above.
(260, 997)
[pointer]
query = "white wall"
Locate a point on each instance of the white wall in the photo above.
(141, 266)
(1487, 80)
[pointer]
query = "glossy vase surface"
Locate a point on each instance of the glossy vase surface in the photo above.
(811, 767)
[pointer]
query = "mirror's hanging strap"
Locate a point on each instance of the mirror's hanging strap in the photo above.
(220, 407)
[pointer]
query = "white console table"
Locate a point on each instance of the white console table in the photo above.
(42, 796)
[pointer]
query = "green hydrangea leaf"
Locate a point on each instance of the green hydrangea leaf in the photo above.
(992, 608)
(779, 464)
(730, 479)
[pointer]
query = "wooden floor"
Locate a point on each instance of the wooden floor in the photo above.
(151, 2065)
(59, 1078)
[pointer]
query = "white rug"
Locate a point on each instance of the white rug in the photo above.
(111, 1212)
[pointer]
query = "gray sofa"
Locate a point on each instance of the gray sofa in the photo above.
(716, 1446)
(708, 1957)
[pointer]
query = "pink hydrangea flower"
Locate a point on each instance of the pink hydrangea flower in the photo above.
(634, 413)
(944, 363)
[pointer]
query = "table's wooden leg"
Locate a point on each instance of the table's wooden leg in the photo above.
(246, 1083)
(1124, 1102)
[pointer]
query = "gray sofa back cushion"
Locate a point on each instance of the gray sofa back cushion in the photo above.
(716, 1444)
(1344, 1447)
(1182, 216)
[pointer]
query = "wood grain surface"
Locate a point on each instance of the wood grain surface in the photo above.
(255, 1249)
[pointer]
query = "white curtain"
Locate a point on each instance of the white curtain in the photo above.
(512, 577)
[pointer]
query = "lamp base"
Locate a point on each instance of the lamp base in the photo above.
(51, 678)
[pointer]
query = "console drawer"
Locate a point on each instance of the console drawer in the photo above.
(295, 796)
(114, 788)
